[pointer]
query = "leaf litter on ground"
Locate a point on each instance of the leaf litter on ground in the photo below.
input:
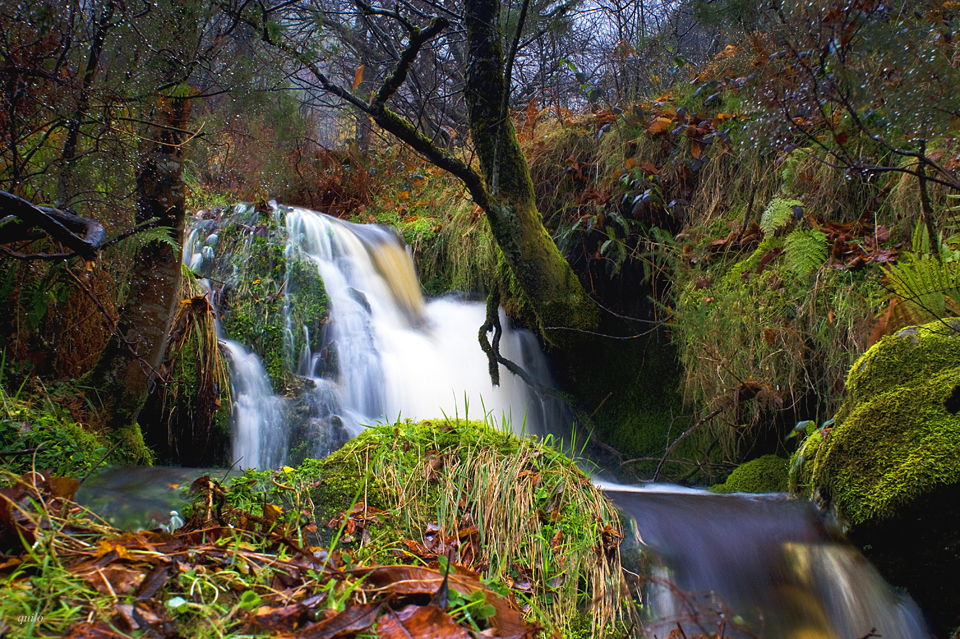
(243, 568)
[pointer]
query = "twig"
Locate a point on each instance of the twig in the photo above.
(102, 459)
(672, 447)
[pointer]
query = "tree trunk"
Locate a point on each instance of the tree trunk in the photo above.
(546, 279)
(127, 368)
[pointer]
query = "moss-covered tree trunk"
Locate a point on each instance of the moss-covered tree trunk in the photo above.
(127, 368)
(545, 277)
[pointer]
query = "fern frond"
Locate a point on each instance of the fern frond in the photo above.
(925, 285)
(157, 234)
(777, 214)
(805, 251)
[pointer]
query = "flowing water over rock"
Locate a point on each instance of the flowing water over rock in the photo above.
(754, 566)
(384, 352)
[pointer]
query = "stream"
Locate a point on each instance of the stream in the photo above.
(740, 566)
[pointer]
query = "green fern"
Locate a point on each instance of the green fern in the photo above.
(929, 287)
(789, 171)
(805, 251)
(156, 234)
(778, 214)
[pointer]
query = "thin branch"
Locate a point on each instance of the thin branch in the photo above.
(672, 447)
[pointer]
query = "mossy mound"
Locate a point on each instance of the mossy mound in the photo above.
(767, 474)
(515, 510)
(897, 435)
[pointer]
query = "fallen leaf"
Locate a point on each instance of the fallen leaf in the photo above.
(115, 579)
(153, 582)
(659, 125)
(420, 622)
(353, 620)
(408, 580)
(287, 617)
(100, 630)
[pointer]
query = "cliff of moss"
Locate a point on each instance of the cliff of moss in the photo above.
(890, 465)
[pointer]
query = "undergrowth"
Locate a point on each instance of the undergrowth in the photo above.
(515, 511)
(514, 519)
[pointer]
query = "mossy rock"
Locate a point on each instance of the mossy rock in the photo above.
(889, 468)
(897, 435)
(767, 474)
(509, 508)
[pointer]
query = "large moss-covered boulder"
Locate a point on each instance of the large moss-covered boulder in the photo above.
(889, 468)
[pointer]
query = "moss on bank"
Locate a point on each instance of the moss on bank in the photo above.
(37, 422)
(898, 434)
(767, 474)
(515, 510)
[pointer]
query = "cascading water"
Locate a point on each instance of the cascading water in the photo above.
(762, 566)
(385, 351)
(397, 353)
(258, 434)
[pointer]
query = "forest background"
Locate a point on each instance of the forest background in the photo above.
(707, 211)
(746, 192)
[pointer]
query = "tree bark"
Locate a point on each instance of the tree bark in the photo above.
(127, 368)
(546, 279)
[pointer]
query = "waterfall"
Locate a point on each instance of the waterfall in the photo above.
(398, 354)
(259, 424)
(385, 352)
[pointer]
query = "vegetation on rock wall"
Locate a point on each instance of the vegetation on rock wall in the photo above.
(516, 511)
(187, 420)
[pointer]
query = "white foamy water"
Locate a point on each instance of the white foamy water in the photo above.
(396, 354)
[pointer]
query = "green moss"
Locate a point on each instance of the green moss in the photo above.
(767, 474)
(637, 415)
(253, 298)
(133, 449)
(521, 507)
(802, 464)
(898, 434)
(62, 446)
(910, 356)
(309, 304)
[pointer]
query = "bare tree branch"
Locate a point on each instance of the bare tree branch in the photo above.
(60, 225)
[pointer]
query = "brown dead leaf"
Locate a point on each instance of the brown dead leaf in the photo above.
(115, 579)
(555, 542)
(408, 580)
(99, 630)
(64, 487)
(352, 620)
(139, 616)
(659, 125)
(153, 582)
(420, 622)
(288, 617)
